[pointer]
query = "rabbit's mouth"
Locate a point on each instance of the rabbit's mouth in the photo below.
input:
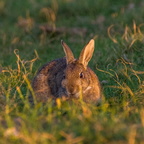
(74, 95)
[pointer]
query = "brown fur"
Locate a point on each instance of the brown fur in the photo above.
(68, 77)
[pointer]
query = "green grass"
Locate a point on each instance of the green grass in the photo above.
(117, 27)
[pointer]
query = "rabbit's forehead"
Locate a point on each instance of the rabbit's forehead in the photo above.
(74, 68)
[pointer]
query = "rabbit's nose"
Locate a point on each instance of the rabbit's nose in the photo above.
(71, 89)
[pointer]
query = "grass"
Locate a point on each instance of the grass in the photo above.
(116, 26)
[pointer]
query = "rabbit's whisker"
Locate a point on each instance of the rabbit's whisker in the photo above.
(88, 88)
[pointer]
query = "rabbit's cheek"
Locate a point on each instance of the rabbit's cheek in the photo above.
(84, 84)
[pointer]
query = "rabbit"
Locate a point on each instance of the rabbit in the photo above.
(68, 78)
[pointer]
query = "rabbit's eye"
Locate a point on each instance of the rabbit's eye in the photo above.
(81, 75)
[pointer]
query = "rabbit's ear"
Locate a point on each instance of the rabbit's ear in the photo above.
(69, 55)
(86, 53)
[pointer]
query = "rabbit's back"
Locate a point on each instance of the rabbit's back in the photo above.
(47, 82)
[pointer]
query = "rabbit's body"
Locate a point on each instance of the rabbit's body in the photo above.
(45, 83)
(68, 77)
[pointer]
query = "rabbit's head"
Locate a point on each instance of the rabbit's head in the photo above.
(77, 76)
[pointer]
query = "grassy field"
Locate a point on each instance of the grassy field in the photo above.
(30, 35)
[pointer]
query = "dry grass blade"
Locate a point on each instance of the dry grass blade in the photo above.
(26, 23)
(70, 138)
(110, 36)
